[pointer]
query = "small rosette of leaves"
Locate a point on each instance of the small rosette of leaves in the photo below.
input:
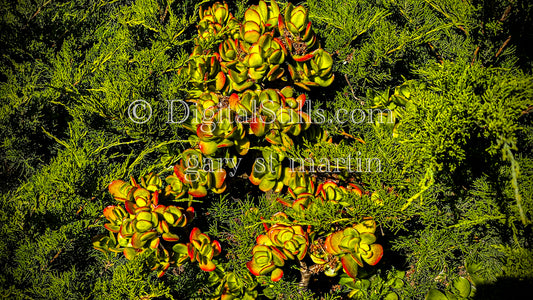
(393, 104)
(291, 239)
(304, 191)
(460, 289)
(217, 20)
(330, 191)
(313, 69)
(386, 287)
(354, 245)
(301, 189)
(232, 285)
(259, 19)
(267, 259)
(295, 28)
(191, 172)
(220, 129)
(267, 171)
(203, 250)
(281, 242)
(204, 72)
(143, 223)
(249, 65)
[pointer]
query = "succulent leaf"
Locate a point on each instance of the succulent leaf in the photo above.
(350, 265)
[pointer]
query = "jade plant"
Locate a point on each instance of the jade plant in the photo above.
(193, 173)
(433, 100)
(305, 192)
(460, 289)
(232, 62)
(214, 19)
(353, 245)
(286, 241)
(145, 224)
(200, 249)
(281, 242)
(267, 171)
(245, 78)
(230, 285)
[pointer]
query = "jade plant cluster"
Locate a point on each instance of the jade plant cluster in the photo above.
(244, 79)
(346, 249)
(143, 224)
(262, 48)
(232, 63)
(352, 246)
(282, 241)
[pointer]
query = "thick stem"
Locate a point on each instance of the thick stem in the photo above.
(306, 276)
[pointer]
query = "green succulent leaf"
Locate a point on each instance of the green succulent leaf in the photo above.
(435, 295)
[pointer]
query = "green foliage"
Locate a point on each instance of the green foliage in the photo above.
(129, 281)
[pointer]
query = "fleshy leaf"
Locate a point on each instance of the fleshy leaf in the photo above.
(276, 274)
(350, 266)
(129, 253)
(207, 266)
(367, 238)
(333, 241)
(251, 36)
(170, 237)
(377, 253)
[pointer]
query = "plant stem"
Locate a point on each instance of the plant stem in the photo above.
(306, 276)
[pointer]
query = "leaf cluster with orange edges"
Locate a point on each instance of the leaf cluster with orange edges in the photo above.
(232, 112)
(143, 224)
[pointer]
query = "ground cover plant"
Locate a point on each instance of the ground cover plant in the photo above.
(266, 149)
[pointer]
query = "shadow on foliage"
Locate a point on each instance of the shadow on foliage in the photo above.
(505, 288)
